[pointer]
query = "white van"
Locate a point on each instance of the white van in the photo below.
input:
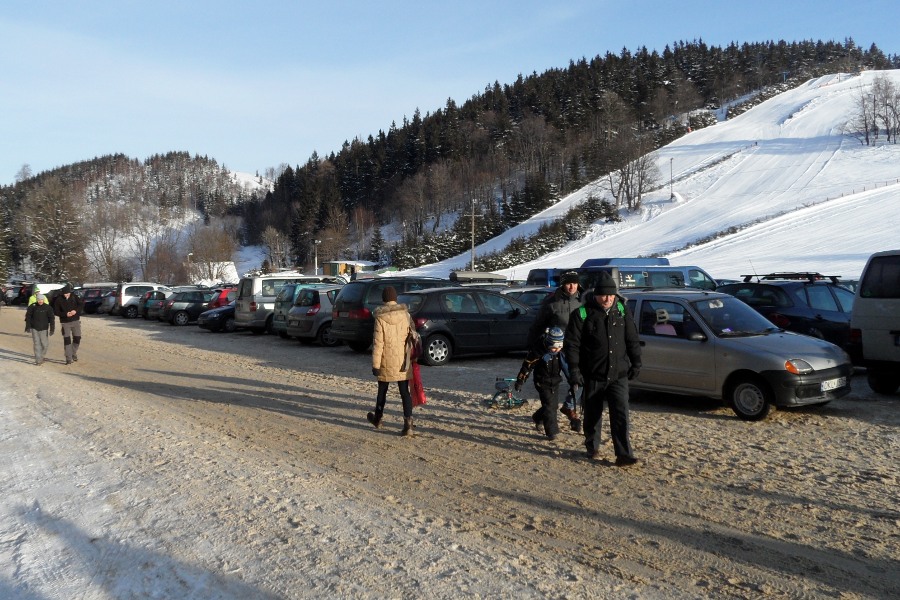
(256, 298)
(655, 276)
(875, 321)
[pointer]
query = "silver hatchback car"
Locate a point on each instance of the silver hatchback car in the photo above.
(712, 344)
(309, 319)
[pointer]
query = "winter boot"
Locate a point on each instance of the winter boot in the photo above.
(375, 418)
(407, 426)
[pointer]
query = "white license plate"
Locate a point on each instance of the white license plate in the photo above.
(343, 313)
(833, 384)
(279, 317)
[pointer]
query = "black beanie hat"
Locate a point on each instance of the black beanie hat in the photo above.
(389, 294)
(569, 277)
(605, 285)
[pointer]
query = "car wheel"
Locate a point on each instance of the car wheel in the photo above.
(750, 398)
(325, 338)
(269, 325)
(180, 318)
(228, 326)
(882, 382)
(359, 346)
(436, 350)
(283, 335)
(131, 312)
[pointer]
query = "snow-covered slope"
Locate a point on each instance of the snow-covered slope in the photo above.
(802, 193)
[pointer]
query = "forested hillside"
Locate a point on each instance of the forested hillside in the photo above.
(492, 160)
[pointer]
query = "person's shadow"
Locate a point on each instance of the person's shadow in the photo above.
(115, 567)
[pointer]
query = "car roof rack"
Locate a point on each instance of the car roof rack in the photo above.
(793, 276)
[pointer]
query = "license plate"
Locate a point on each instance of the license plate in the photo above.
(279, 317)
(834, 384)
(344, 313)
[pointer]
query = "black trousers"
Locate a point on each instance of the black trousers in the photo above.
(548, 412)
(616, 396)
(381, 400)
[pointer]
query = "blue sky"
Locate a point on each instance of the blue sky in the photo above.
(254, 85)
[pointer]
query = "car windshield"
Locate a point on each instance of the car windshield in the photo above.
(729, 317)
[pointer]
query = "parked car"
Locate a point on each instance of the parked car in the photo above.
(310, 317)
(92, 297)
(457, 321)
(107, 302)
(182, 308)
(283, 303)
(218, 319)
(530, 296)
(128, 296)
(223, 296)
(152, 304)
(875, 322)
(256, 297)
(806, 303)
(352, 321)
(712, 344)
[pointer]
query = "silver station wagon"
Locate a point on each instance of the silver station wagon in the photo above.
(711, 344)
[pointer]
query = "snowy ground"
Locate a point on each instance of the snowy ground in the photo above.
(174, 463)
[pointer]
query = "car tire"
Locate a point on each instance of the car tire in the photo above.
(750, 398)
(228, 326)
(181, 318)
(325, 338)
(359, 346)
(436, 350)
(283, 335)
(882, 382)
(268, 328)
(130, 312)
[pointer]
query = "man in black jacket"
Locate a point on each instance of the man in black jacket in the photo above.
(603, 353)
(68, 307)
(40, 323)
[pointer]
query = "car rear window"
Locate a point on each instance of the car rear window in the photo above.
(882, 278)
(412, 301)
(352, 293)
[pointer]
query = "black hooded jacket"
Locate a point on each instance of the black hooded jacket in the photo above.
(601, 346)
(62, 305)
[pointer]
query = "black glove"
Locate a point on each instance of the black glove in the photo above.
(28, 330)
(52, 332)
(374, 371)
(633, 372)
(518, 385)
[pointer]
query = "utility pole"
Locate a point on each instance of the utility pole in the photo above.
(316, 256)
(473, 235)
(671, 193)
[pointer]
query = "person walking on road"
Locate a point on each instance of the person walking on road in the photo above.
(549, 366)
(390, 357)
(604, 353)
(555, 312)
(68, 307)
(40, 323)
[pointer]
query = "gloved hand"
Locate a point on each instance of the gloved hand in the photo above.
(633, 372)
(374, 371)
(51, 332)
(518, 385)
(28, 330)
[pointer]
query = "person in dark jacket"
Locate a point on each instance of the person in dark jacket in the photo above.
(68, 307)
(603, 352)
(549, 366)
(554, 312)
(40, 323)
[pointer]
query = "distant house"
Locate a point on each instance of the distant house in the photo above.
(347, 268)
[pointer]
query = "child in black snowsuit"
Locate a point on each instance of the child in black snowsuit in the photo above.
(547, 361)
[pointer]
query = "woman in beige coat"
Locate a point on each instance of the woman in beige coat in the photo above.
(390, 356)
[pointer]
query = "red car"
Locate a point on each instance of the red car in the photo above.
(223, 297)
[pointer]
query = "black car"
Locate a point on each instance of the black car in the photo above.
(466, 320)
(92, 297)
(218, 319)
(182, 308)
(807, 303)
(351, 317)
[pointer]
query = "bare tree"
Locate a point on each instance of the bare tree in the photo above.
(362, 221)
(105, 225)
(210, 250)
(278, 248)
(144, 232)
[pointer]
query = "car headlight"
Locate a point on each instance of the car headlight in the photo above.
(798, 366)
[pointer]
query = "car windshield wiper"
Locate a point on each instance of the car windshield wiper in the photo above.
(739, 333)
